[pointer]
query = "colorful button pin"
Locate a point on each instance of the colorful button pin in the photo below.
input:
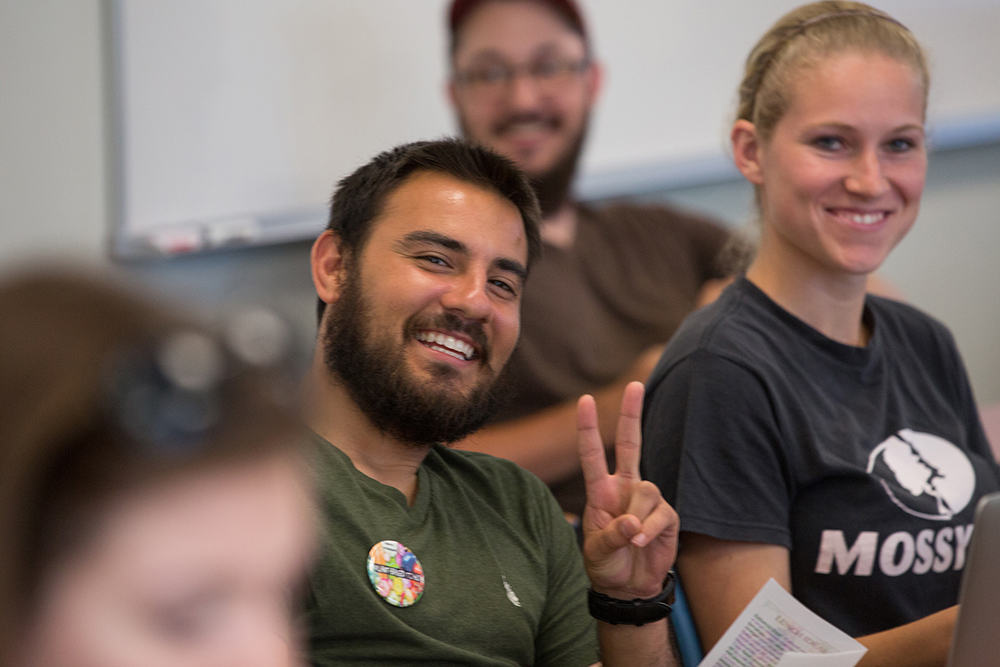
(395, 573)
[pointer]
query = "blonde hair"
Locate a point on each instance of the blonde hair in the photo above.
(802, 37)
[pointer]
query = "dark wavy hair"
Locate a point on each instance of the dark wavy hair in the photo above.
(360, 197)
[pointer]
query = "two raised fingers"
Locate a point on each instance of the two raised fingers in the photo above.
(591, 445)
(628, 436)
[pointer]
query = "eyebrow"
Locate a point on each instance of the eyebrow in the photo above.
(490, 55)
(435, 238)
(845, 126)
(512, 266)
(414, 238)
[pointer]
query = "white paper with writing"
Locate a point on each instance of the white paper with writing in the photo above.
(776, 630)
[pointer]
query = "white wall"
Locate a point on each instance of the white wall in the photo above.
(51, 151)
(52, 185)
(237, 116)
(948, 263)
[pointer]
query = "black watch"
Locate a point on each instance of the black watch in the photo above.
(637, 611)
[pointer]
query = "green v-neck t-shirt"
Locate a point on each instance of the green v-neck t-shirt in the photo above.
(503, 580)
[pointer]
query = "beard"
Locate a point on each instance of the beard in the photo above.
(378, 379)
(551, 187)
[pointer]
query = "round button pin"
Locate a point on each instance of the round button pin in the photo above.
(395, 573)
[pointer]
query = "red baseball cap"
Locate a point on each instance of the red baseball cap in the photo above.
(567, 10)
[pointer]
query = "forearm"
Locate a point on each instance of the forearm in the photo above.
(545, 442)
(922, 643)
(630, 539)
(635, 645)
(721, 577)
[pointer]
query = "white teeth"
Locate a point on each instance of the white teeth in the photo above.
(453, 346)
(866, 218)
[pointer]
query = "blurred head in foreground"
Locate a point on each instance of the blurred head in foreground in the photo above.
(154, 501)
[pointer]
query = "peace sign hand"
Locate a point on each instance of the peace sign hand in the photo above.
(629, 530)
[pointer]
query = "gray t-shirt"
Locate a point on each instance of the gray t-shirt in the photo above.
(866, 463)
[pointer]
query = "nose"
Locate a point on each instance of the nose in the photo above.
(866, 177)
(523, 92)
(467, 297)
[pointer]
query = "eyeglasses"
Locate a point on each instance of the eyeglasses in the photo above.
(549, 74)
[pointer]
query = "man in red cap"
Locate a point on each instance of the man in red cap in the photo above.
(613, 283)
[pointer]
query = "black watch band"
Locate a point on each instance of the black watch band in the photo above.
(637, 611)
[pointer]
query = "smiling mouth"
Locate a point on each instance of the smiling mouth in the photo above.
(526, 125)
(861, 218)
(449, 345)
(534, 127)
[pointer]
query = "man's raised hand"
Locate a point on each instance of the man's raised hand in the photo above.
(630, 532)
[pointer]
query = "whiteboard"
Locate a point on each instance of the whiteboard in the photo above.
(235, 118)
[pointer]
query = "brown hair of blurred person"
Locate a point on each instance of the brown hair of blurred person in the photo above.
(65, 460)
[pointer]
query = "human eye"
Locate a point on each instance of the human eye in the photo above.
(434, 261)
(488, 75)
(184, 623)
(548, 68)
(506, 287)
(901, 145)
(828, 142)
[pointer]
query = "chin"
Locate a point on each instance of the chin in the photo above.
(860, 266)
(534, 162)
(541, 164)
(442, 371)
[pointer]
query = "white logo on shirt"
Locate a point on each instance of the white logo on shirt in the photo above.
(511, 595)
(899, 553)
(925, 475)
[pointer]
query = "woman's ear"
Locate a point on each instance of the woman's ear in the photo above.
(747, 150)
(327, 261)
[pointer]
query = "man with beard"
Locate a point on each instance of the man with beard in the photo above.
(612, 283)
(449, 557)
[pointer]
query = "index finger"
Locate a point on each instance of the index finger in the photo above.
(589, 441)
(628, 435)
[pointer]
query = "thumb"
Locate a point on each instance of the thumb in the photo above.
(617, 534)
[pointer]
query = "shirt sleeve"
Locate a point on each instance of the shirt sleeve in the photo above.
(708, 241)
(712, 444)
(693, 238)
(567, 635)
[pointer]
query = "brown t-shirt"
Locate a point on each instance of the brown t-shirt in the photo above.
(588, 311)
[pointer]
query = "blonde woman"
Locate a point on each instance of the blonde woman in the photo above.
(803, 429)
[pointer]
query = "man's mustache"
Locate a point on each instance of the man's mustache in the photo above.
(446, 322)
(507, 122)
